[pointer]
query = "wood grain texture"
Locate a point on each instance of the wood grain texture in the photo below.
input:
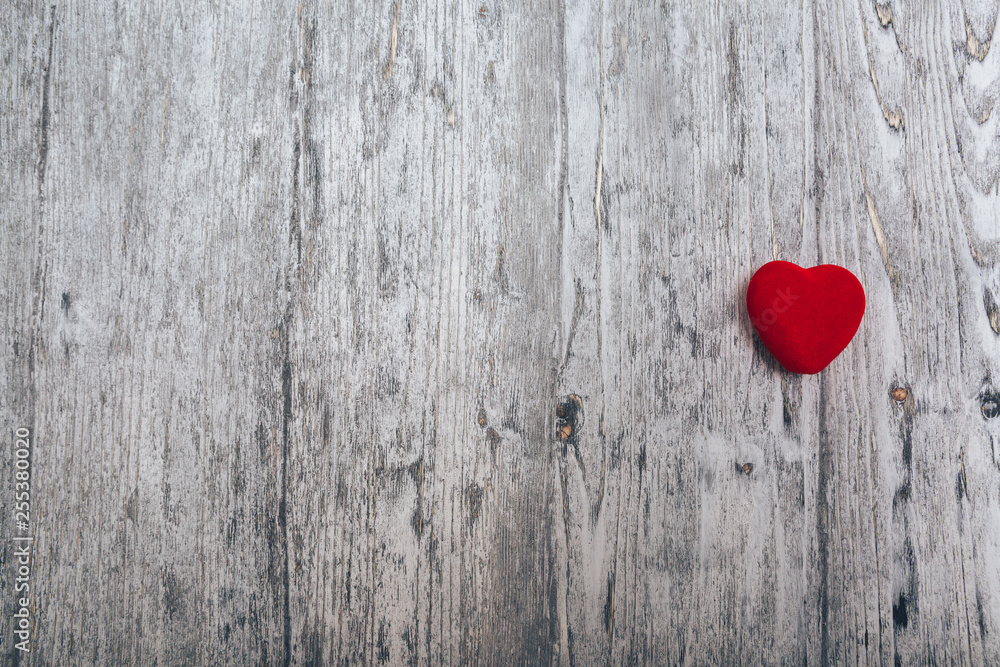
(412, 332)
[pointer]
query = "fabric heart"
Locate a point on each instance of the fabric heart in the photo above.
(805, 317)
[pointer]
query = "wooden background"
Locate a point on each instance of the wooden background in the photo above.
(412, 332)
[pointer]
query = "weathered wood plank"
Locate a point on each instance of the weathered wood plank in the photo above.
(413, 332)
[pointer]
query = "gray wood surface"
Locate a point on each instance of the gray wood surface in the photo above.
(412, 332)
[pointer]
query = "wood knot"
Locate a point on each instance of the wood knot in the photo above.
(494, 440)
(899, 394)
(474, 496)
(569, 416)
(990, 405)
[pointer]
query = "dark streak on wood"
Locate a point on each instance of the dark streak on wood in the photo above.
(286, 417)
(43, 123)
(823, 473)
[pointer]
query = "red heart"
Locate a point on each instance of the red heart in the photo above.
(805, 317)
